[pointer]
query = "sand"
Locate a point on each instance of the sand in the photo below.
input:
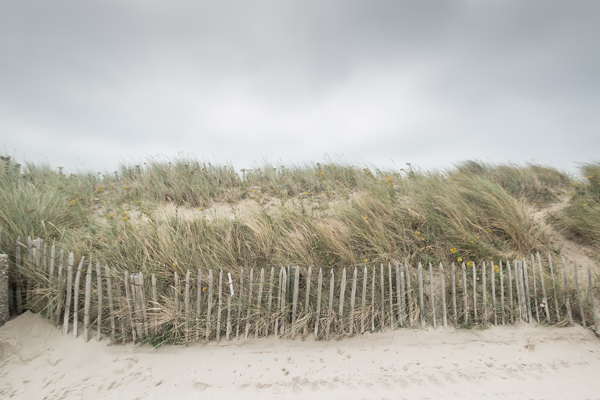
(37, 362)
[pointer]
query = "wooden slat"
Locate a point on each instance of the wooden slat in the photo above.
(502, 293)
(432, 300)
(465, 294)
(510, 293)
(18, 289)
(581, 312)
(186, 310)
(249, 302)
(295, 300)
(382, 285)
(535, 296)
(99, 284)
(527, 293)
(52, 261)
(318, 309)
(220, 306)
(484, 290)
(88, 298)
(352, 300)
(545, 299)
(342, 297)
(474, 294)
(592, 301)
(454, 308)
(421, 300)
(330, 309)
(155, 306)
(270, 301)
(279, 301)
(129, 306)
(111, 307)
(391, 295)
(363, 302)
(373, 301)
(409, 292)
(443, 287)
(198, 300)
(284, 300)
(76, 298)
(259, 298)
(307, 301)
(120, 300)
(209, 302)
(70, 262)
(400, 295)
(241, 304)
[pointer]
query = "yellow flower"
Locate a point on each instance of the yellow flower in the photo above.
(476, 237)
(127, 187)
(366, 217)
(138, 202)
(324, 194)
(459, 259)
(204, 289)
(453, 250)
(471, 241)
(366, 260)
(490, 257)
(496, 268)
(470, 264)
(124, 218)
(174, 264)
(200, 208)
(418, 233)
(585, 204)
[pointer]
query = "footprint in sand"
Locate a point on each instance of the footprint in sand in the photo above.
(201, 386)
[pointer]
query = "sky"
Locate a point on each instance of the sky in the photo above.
(88, 85)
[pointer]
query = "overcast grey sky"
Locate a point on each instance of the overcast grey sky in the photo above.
(91, 83)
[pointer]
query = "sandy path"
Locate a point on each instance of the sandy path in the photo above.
(37, 362)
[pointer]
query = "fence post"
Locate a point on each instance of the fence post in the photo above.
(76, 299)
(240, 304)
(141, 290)
(535, 296)
(465, 294)
(391, 291)
(547, 303)
(318, 311)
(249, 302)
(352, 299)
(69, 288)
(186, 307)
(591, 295)
(342, 297)
(484, 289)
(454, 309)
(88, 293)
(295, 300)
(382, 299)
(510, 292)
(421, 301)
(443, 285)
(198, 300)
(502, 292)
(209, 303)
(306, 305)
(127, 296)
(99, 284)
(155, 307)
(373, 301)
(220, 306)
(578, 293)
(528, 297)
(409, 294)
(270, 301)
(330, 314)
(20, 278)
(432, 296)
(363, 302)
(400, 294)
(110, 302)
(259, 299)
(474, 294)
(493, 280)
(4, 294)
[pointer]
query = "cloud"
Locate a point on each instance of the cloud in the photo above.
(426, 82)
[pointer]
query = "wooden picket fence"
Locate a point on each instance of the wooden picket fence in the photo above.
(294, 301)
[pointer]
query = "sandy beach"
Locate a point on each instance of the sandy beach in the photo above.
(37, 362)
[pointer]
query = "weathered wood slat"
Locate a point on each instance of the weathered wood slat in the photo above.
(352, 300)
(443, 287)
(465, 294)
(363, 301)
(432, 296)
(535, 295)
(249, 302)
(474, 294)
(270, 301)
(120, 300)
(527, 293)
(186, 310)
(241, 302)
(330, 309)
(111, 307)
(307, 301)
(409, 291)
(295, 300)
(209, 302)
(129, 306)
(342, 297)
(99, 284)
(510, 293)
(76, 298)
(88, 298)
(259, 298)
(592, 301)
(318, 310)
(220, 306)
(70, 262)
(400, 294)
(391, 296)
(545, 299)
(155, 306)
(198, 300)
(373, 301)
(454, 308)
(279, 301)
(484, 290)
(421, 300)
(502, 293)
(382, 299)
(578, 292)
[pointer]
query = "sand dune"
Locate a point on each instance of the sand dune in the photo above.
(37, 362)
